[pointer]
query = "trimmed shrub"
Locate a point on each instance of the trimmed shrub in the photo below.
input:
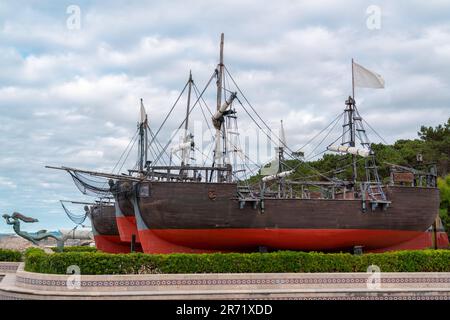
(77, 249)
(283, 261)
(10, 255)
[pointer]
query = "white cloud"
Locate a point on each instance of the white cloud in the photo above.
(7, 183)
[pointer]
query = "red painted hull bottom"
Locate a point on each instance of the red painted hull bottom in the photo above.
(424, 241)
(127, 227)
(248, 240)
(113, 244)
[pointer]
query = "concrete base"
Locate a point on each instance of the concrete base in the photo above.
(301, 286)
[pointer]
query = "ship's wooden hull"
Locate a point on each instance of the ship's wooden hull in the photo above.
(106, 233)
(124, 213)
(201, 217)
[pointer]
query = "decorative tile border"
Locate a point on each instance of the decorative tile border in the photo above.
(346, 286)
(429, 295)
(9, 297)
(349, 286)
(231, 282)
(9, 267)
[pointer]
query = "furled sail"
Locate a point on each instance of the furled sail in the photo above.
(218, 115)
(350, 150)
(183, 146)
(81, 234)
(278, 175)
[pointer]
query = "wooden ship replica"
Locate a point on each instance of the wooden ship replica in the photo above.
(102, 215)
(185, 207)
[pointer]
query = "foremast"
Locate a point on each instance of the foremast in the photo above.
(143, 140)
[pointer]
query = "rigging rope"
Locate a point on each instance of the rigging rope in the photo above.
(328, 133)
(259, 117)
(128, 154)
(300, 162)
(76, 218)
(87, 186)
(240, 154)
(379, 136)
(170, 112)
(118, 161)
(318, 134)
(182, 123)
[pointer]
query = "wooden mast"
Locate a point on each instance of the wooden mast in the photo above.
(185, 153)
(188, 106)
(143, 148)
(218, 152)
(351, 107)
(220, 73)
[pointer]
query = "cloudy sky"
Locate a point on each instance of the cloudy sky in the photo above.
(70, 89)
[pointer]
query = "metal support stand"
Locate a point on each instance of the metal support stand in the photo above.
(133, 243)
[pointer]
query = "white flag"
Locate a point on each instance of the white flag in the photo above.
(143, 113)
(366, 78)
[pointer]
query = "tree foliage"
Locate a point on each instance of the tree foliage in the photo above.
(444, 189)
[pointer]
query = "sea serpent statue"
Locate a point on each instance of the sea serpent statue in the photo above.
(34, 237)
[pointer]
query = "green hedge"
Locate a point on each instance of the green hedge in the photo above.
(77, 249)
(10, 255)
(284, 261)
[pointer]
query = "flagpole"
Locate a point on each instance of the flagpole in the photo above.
(353, 82)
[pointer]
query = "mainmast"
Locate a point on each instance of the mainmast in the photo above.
(187, 136)
(220, 73)
(218, 156)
